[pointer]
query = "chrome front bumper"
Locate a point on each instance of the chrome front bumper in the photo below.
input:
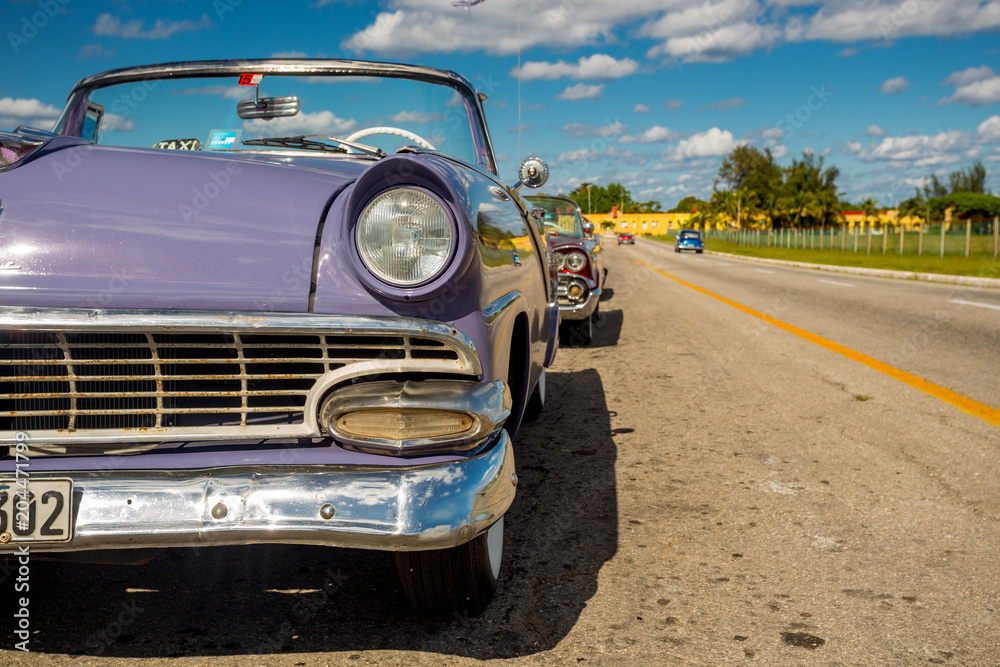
(408, 508)
(582, 310)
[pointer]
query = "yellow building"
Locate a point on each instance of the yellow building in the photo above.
(647, 224)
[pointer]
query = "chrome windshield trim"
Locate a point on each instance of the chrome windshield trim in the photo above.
(491, 312)
(405, 508)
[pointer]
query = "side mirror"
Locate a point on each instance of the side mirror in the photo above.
(267, 107)
(588, 228)
(533, 173)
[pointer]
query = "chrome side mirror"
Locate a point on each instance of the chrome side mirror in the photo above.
(588, 228)
(533, 173)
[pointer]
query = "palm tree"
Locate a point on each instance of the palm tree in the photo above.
(870, 208)
(801, 204)
(915, 207)
(749, 205)
(724, 203)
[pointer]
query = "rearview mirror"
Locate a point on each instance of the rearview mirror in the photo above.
(268, 107)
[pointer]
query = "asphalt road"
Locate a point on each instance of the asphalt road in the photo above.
(704, 488)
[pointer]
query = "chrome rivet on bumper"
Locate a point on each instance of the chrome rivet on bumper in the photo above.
(327, 511)
(513, 478)
(219, 511)
(5, 538)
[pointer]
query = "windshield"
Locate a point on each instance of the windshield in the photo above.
(690, 235)
(201, 114)
(561, 216)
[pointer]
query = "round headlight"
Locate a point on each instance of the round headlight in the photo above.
(576, 260)
(404, 236)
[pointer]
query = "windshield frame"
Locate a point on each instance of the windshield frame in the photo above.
(71, 120)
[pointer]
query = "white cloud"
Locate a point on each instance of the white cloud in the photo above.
(853, 147)
(112, 122)
(229, 92)
(731, 103)
(672, 105)
(970, 75)
(711, 143)
(988, 131)
(895, 86)
(598, 66)
(773, 134)
(583, 131)
(724, 44)
(652, 135)
(416, 117)
(920, 150)
(320, 122)
(111, 26)
(976, 87)
(778, 151)
(688, 30)
(875, 131)
(27, 108)
(861, 20)
(94, 51)
(641, 108)
(580, 91)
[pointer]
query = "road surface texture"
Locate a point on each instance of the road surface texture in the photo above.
(703, 488)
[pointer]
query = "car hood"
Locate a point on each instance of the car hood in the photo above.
(85, 226)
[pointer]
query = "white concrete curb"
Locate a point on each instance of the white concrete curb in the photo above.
(971, 281)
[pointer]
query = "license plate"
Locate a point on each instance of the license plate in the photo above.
(43, 515)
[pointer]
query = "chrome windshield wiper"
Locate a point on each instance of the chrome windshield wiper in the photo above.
(306, 143)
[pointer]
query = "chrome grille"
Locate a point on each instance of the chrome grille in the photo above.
(113, 380)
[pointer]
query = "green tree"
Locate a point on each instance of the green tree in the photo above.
(971, 179)
(828, 208)
(915, 207)
(723, 203)
(869, 207)
(687, 205)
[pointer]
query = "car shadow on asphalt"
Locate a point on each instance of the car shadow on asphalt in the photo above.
(274, 599)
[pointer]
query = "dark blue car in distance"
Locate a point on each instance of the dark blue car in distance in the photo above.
(689, 239)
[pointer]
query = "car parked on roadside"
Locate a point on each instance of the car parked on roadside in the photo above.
(625, 237)
(242, 305)
(580, 261)
(689, 239)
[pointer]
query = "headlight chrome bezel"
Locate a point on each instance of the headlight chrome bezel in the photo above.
(580, 257)
(386, 280)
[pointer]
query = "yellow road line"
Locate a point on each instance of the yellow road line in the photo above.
(973, 407)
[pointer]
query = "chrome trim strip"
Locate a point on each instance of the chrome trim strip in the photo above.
(410, 509)
(491, 312)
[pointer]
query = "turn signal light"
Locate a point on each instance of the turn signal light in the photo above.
(403, 424)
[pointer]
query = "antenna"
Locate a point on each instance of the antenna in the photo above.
(519, 83)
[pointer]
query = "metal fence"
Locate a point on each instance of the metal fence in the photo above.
(962, 238)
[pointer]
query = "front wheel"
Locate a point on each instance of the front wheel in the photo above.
(460, 579)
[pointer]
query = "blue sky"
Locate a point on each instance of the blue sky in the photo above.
(649, 93)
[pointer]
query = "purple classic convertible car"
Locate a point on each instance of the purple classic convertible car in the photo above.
(270, 301)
